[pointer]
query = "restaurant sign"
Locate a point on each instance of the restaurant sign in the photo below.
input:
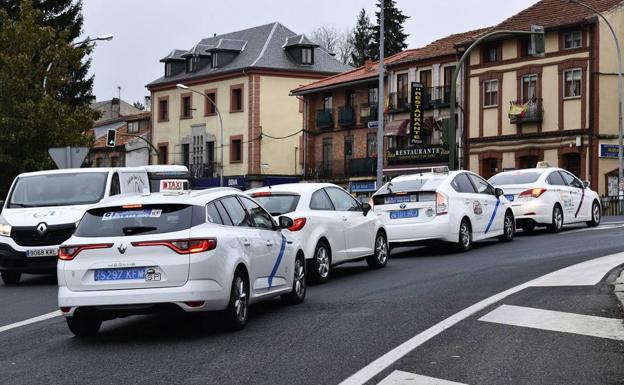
(429, 153)
(416, 112)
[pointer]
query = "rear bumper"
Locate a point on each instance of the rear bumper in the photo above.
(15, 260)
(214, 296)
(532, 211)
(410, 233)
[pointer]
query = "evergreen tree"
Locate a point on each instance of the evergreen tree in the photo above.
(138, 105)
(394, 37)
(362, 40)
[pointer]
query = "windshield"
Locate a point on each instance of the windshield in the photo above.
(63, 189)
(422, 184)
(514, 178)
(278, 204)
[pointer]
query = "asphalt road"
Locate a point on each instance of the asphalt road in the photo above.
(341, 327)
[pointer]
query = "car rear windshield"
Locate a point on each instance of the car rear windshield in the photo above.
(278, 204)
(147, 219)
(62, 189)
(421, 184)
(514, 178)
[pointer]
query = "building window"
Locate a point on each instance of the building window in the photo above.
(491, 54)
(163, 110)
(327, 102)
(529, 88)
(133, 127)
(572, 39)
(402, 91)
(524, 48)
(489, 167)
(162, 153)
(115, 161)
(373, 96)
(572, 83)
(236, 149)
(371, 145)
(209, 108)
(490, 93)
(214, 60)
(349, 98)
(186, 107)
(306, 56)
(167, 70)
(236, 98)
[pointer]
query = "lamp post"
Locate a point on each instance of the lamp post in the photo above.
(185, 87)
(619, 63)
(380, 100)
(106, 37)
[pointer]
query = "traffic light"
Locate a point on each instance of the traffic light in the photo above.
(537, 47)
(111, 136)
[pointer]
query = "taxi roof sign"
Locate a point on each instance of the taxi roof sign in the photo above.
(174, 185)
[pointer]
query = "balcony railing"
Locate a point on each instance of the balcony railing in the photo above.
(325, 118)
(368, 113)
(346, 116)
(345, 168)
(436, 97)
(398, 102)
(530, 111)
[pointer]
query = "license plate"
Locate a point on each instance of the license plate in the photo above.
(399, 199)
(42, 253)
(132, 273)
(510, 198)
(404, 214)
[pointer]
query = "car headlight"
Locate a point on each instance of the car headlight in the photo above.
(5, 230)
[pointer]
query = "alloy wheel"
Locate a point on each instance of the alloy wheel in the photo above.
(508, 226)
(558, 218)
(299, 277)
(381, 249)
(322, 262)
(464, 235)
(596, 213)
(240, 302)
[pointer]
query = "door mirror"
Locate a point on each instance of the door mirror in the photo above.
(366, 208)
(285, 222)
(499, 192)
(586, 184)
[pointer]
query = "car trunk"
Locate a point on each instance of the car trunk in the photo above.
(513, 190)
(418, 207)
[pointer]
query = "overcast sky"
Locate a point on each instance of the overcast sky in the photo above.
(146, 30)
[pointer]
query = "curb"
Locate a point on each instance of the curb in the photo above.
(618, 288)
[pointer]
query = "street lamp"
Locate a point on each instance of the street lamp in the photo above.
(185, 87)
(619, 61)
(107, 37)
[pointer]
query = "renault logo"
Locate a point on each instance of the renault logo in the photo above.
(42, 228)
(122, 248)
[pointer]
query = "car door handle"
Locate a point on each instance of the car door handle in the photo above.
(344, 219)
(269, 244)
(468, 201)
(246, 243)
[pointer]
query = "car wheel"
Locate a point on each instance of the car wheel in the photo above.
(11, 277)
(321, 263)
(237, 310)
(465, 236)
(509, 228)
(298, 293)
(595, 215)
(84, 325)
(380, 258)
(528, 227)
(557, 220)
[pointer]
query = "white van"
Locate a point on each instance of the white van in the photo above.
(42, 209)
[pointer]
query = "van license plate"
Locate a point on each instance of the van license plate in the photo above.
(42, 253)
(119, 274)
(509, 197)
(402, 214)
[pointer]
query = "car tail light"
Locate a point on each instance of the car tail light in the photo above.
(183, 246)
(261, 194)
(532, 193)
(194, 303)
(441, 203)
(65, 309)
(297, 224)
(67, 253)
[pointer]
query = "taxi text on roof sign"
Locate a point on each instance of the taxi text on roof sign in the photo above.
(173, 185)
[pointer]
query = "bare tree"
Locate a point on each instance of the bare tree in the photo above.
(334, 41)
(345, 45)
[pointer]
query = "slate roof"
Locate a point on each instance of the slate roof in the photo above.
(176, 54)
(299, 40)
(263, 50)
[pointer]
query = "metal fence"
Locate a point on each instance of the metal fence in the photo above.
(612, 206)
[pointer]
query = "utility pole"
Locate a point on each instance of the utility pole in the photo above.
(380, 101)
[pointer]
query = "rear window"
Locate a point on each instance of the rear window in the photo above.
(515, 178)
(278, 204)
(148, 219)
(422, 184)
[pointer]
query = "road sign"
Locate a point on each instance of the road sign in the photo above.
(111, 136)
(68, 157)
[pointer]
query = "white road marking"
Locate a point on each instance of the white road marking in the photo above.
(30, 321)
(587, 273)
(403, 378)
(557, 321)
(601, 227)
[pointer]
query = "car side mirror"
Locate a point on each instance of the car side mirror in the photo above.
(366, 208)
(499, 192)
(285, 222)
(586, 184)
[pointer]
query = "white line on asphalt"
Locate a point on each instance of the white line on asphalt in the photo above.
(29, 321)
(587, 273)
(608, 226)
(556, 321)
(403, 378)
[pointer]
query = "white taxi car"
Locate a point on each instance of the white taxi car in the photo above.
(332, 226)
(215, 249)
(548, 196)
(458, 207)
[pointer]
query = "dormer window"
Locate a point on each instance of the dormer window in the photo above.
(191, 63)
(215, 60)
(168, 70)
(300, 49)
(307, 55)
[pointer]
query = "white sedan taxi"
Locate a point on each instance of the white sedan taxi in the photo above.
(209, 250)
(548, 196)
(332, 226)
(458, 207)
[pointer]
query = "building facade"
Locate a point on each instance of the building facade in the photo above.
(133, 133)
(248, 74)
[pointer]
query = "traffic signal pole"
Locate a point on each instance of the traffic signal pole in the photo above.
(452, 137)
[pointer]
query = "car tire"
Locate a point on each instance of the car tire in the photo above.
(464, 242)
(557, 220)
(380, 257)
(509, 228)
(299, 288)
(528, 227)
(237, 312)
(595, 215)
(11, 278)
(320, 264)
(84, 325)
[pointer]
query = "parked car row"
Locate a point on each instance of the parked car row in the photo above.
(222, 249)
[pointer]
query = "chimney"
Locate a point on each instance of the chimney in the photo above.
(368, 65)
(148, 103)
(115, 108)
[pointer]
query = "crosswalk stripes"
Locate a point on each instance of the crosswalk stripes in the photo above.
(404, 378)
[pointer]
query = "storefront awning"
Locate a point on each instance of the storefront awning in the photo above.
(396, 128)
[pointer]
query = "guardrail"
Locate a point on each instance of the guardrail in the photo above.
(612, 206)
